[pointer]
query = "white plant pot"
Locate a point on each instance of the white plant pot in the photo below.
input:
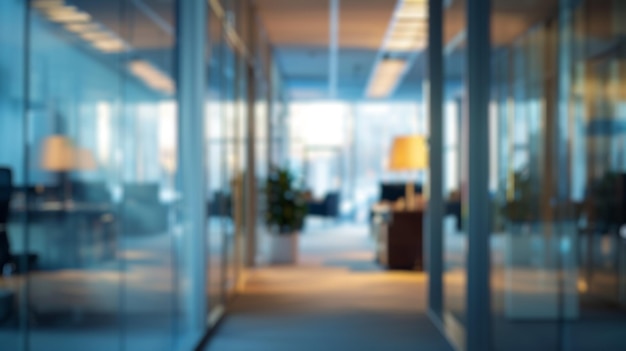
(284, 248)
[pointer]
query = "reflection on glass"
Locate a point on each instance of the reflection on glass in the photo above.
(218, 196)
(455, 170)
(557, 270)
(14, 257)
(86, 205)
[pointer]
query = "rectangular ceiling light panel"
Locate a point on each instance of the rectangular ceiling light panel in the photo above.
(66, 14)
(153, 77)
(46, 4)
(112, 45)
(406, 35)
(80, 23)
(95, 36)
(386, 77)
(81, 28)
(408, 28)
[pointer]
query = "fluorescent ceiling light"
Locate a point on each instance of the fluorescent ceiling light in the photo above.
(46, 4)
(109, 45)
(96, 36)
(82, 27)
(217, 8)
(409, 32)
(413, 14)
(69, 17)
(61, 10)
(153, 77)
(410, 24)
(386, 77)
(415, 2)
(412, 9)
(66, 14)
(406, 35)
(409, 45)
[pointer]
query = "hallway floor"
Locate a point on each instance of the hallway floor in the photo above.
(336, 299)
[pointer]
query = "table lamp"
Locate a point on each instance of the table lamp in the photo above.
(58, 155)
(409, 153)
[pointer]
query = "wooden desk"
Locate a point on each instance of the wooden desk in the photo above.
(62, 234)
(399, 242)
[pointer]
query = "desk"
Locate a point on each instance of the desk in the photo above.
(398, 236)
(62, 234)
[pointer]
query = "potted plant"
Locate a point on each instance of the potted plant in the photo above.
(533, 244)
(285, 212)
(524, 207)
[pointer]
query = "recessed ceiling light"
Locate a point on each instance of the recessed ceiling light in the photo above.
(386, 77)
(152, 76)
(82, 27)
(109, 45)
(95, 36)
(61, 10)
(406, 34)
(66, 14)
(46, 4)
(70, 17)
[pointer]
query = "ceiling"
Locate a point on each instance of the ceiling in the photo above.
(299, 33)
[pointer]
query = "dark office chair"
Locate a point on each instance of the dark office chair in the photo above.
(391, 192)
(10, 263)
(328, 207)
(6, 296)
(5, 204)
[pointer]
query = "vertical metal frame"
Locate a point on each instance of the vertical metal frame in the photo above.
(434, 222)
(23, 324)
(250, 174)
(333, 48)
(192, 17)
(478, 325)
(271, 108)
(566, 46)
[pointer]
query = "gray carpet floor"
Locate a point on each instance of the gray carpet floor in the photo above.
(334, 299)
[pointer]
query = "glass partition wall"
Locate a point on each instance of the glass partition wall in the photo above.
(556, 175)
(533, 273)
(218, 195)
(558, 203)
(94, 241)
(454, 226)
(592, 101)
(12, 168)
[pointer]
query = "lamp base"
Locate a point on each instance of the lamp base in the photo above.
(410, 196)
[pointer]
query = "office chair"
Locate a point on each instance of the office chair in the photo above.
(6, 296)
(10, 263)
(6, 188)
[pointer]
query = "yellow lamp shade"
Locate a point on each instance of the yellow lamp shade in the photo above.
(409, 153)
(57, 154)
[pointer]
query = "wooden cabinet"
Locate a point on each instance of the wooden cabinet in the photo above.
(400, 241)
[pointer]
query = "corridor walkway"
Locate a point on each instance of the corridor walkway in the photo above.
(336, 299)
